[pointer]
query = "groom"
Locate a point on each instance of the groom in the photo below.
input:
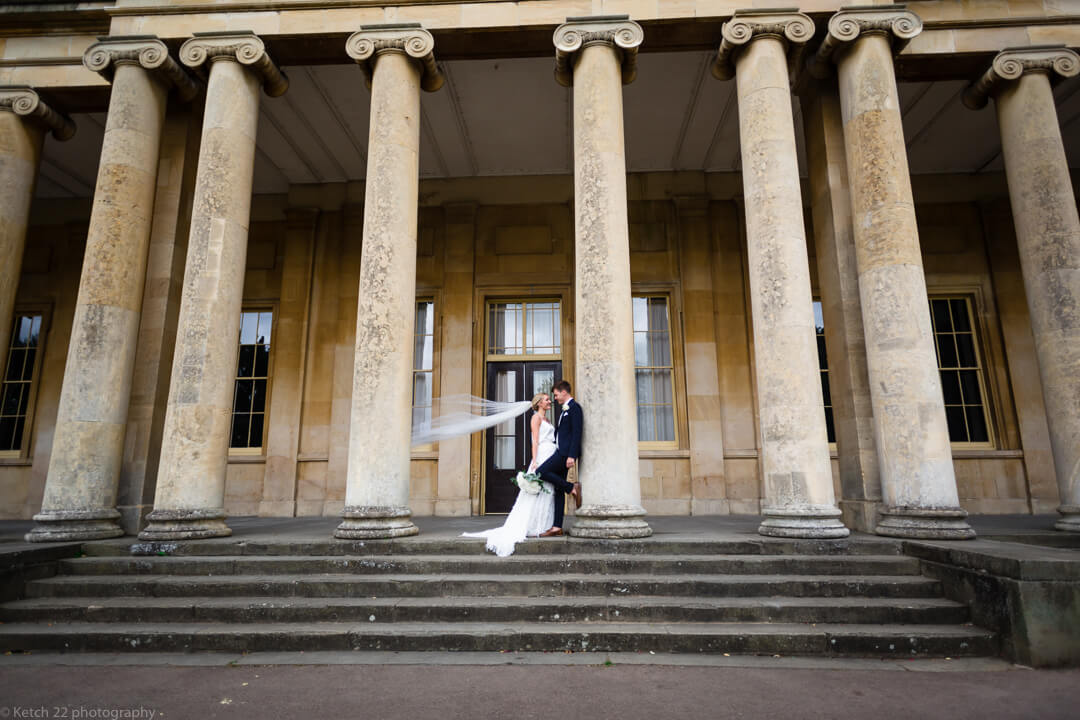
(567, 451)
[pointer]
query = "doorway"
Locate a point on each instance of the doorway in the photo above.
(509, 444)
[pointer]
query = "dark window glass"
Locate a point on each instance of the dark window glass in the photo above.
(961, 374)
(16, 390)
(252, 379)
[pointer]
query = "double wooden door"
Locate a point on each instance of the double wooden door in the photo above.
(508, 446)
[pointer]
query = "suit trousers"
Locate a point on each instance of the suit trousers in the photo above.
(554, 471)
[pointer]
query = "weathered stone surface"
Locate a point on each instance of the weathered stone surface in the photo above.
(1048, 238)
(917, 478)
(24, 120)
(605, 385)
(799, 499)
(87, 452)
(377, 489)
(190, 495)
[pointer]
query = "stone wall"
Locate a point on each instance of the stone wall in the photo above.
(489, 237)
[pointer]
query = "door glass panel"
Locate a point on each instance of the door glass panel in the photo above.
(505, 432)
(543, 380)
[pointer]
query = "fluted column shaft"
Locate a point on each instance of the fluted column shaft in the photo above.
(799, 498)
(84, 468)
(596, 56)
(377, 483)
(190, 494)
(1048, 238)
(24, 120)
(911, 434)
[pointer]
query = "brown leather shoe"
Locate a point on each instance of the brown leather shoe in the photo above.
(576, 494)
(553, 532)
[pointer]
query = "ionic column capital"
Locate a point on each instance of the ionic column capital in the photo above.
(146, 51)
(896, 22)
(617, 31)
(1012, 63)
(370, 41)
(26, 103)
(793, 28)
(243, 47)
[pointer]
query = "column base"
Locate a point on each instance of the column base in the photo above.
(68, 525)
(185, 525)
(924, 523)
(371, 522)
(611, 522)
(1070, 519)
(807, 521)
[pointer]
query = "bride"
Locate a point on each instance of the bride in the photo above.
(532, 513)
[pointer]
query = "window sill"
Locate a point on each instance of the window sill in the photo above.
(16, 462)
(246, 459)
(659, 453)
(424, 455)
(991, 453)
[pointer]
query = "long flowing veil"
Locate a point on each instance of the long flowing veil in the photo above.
(454, 415)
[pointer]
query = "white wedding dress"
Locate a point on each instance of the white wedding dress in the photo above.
(532, 513)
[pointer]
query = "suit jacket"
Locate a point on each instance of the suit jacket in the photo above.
(568, 430)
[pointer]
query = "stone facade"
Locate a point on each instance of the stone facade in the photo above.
(141, 281)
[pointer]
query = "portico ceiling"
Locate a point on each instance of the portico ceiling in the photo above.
(508, 116)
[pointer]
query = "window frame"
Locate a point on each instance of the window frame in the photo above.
(426, 450)
(255, 453)
(23, 453)
(971, 301)
(674, 343)
(524, 356)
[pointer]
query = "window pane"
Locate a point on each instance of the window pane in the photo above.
(965, 346)
(658, 318)
(35, 331)
(23, 325)
(977, 424)
(28, 363)
(645, 423)
(825, 391)
(262, 360)
(505, 448)
(957, 428)
(421, 389)
(265, 323)
(7, 434)
(662, 386)
(946, 351)
(25, 402)
(659, 349)
(641, 349)
(239, 430)
(830, 425)
(258, 402)
(969, 381)
(244, 391)
(665, 422)
(950, 387)
(255, 438)
(644, 386)
(641, 314)
(819, 317)
(245, 365)
(249, 328)
(10, 403)
(942, 323)
(823, 358)
(961, 321)
(425, 318)
(15, 364)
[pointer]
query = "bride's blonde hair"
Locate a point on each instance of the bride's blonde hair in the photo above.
(536, 400)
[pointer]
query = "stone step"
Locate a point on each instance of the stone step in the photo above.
(746, 638)
(924, 611)
(591, 564)
(426, 545)
(477, 585)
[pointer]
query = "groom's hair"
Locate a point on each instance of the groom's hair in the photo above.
(563, 385)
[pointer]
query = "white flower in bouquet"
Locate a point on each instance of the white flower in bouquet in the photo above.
(529, 483)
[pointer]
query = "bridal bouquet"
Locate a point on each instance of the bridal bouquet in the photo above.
(530, 483)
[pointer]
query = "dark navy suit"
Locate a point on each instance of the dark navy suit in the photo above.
(567, 445)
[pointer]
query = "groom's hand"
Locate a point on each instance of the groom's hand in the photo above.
(569, 462)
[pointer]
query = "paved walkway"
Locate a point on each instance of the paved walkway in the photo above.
(596, 692)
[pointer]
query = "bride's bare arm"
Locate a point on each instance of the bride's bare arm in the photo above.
(535, 426)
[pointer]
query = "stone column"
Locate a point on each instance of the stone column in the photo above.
(597, 56)
(912, 438)
(190, 495)
(397, 61)
(87, 453)
(24, 120)
(838, 280)
(799, 500)
(1048, 238)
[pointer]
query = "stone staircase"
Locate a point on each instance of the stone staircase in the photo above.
(857, 598)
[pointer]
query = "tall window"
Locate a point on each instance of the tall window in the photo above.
(524, 328)
(252, 380)
(23, 355)
(962, 383)
(823, 364)
(654, 370)
(423, 361)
